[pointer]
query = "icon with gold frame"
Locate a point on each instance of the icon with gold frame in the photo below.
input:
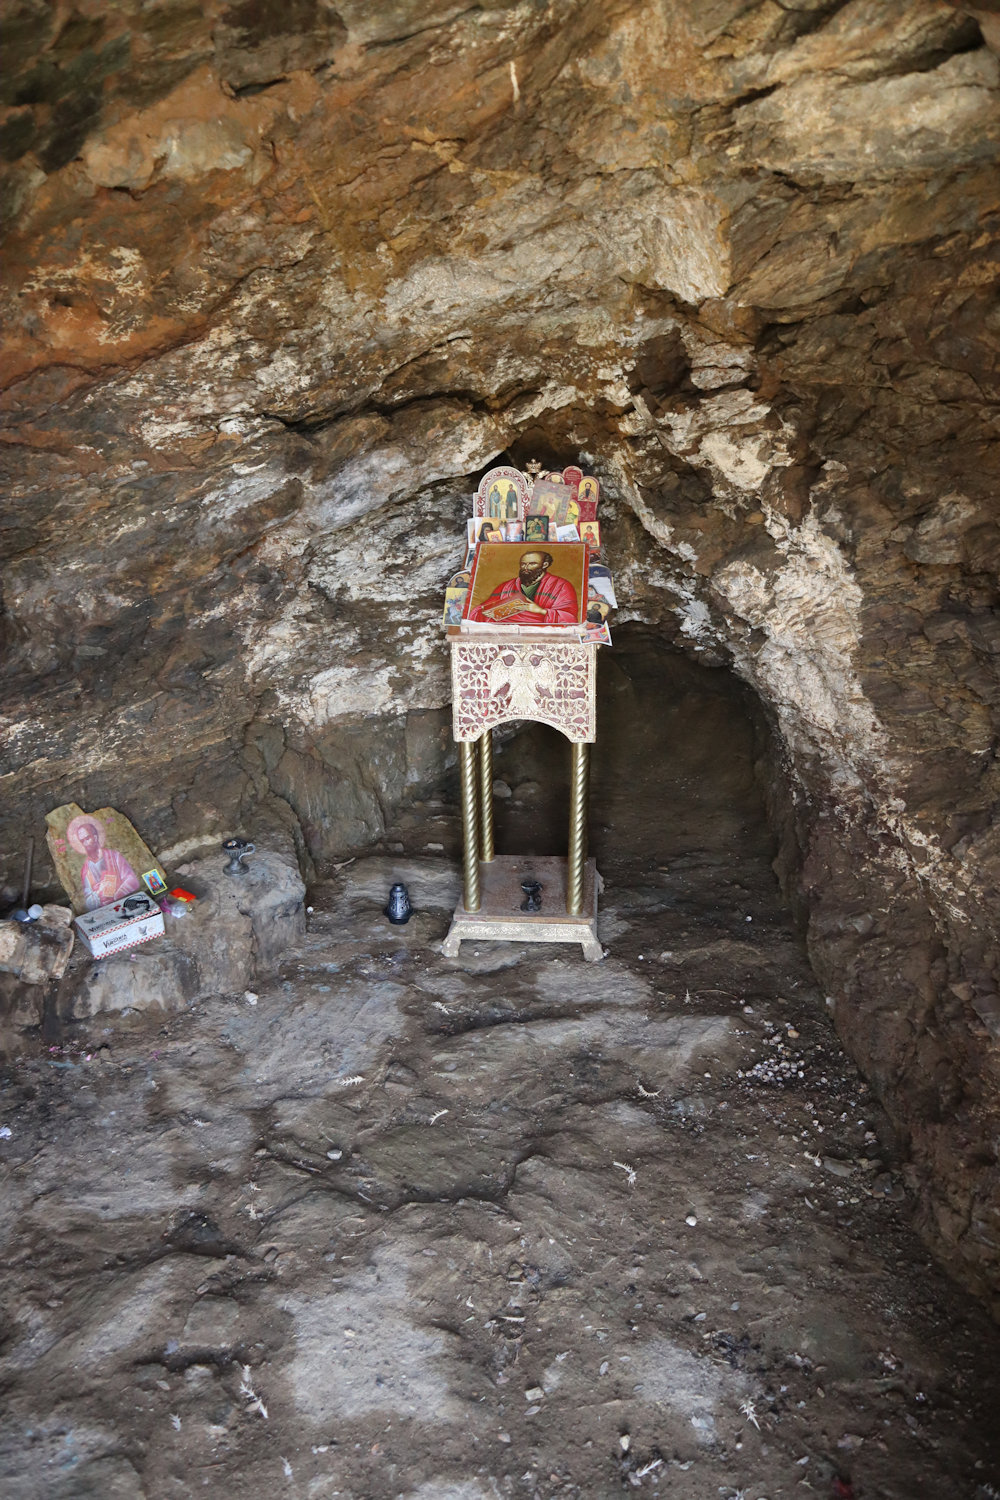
(526, 585)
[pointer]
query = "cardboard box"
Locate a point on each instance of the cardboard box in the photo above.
(112, 928)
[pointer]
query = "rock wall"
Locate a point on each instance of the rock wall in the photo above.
(280, 283)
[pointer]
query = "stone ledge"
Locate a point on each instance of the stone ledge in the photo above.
(238, 928)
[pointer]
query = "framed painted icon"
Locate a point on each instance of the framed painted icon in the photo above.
(536, 528)
(528, 586)
(502, 495)
(555, 500)
(587, 495)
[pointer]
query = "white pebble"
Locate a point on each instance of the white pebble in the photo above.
(691, 1220)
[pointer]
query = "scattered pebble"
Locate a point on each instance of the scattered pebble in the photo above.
(691, 1220)
(250, 997)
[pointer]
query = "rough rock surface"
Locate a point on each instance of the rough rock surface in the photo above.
(509, 1225)
(280, 284)
(39, 950)
(238, 929)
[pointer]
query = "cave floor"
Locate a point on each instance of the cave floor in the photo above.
(511, 1224)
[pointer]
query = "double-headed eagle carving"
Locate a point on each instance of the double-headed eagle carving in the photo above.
(526, 676)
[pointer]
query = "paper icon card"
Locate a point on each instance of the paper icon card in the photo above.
(454, 603)
(598, 608)
(99, 857)
(596, 635)
(502, 495)
(484, 529)
(599, 578)
(525, 585)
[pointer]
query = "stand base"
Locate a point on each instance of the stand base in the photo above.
(500, 919)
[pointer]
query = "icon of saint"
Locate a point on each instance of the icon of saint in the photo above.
(534, 597)
(106, 875)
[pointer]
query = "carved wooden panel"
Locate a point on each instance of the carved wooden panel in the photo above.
(496, 681)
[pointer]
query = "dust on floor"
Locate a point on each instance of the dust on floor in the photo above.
(508, 1225)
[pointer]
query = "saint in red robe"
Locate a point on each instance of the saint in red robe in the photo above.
(556, 596)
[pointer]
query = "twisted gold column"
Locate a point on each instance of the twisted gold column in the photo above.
(470, 830)
(486, 796)
(578, 793)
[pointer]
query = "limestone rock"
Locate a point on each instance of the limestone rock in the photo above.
(37, 951)
(237, 928)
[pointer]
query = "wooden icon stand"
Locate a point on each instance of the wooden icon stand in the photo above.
(497, 679)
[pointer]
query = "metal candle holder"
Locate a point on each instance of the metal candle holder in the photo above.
(532, 895)
(237, 849)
